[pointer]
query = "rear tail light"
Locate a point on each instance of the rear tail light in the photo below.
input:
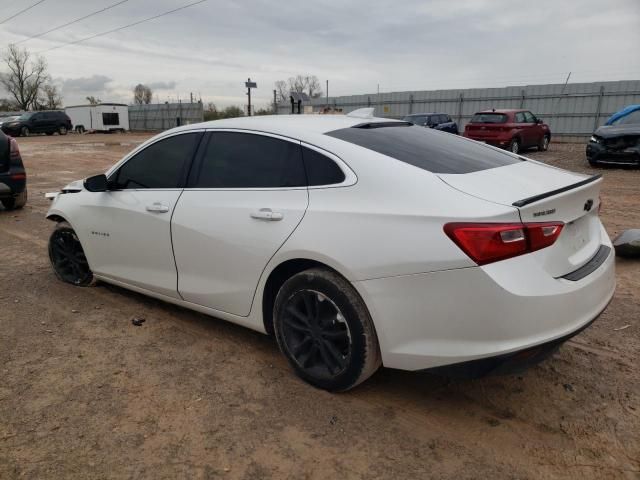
(490, 242)
(14, 150)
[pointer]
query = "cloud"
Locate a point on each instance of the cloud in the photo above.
(162, 85)
(92, 84)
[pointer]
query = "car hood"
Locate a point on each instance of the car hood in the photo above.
(613, 131)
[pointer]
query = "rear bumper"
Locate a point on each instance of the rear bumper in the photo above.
(501, 142)
(450, 317)
(597, 153)
(510, 363)
(9, 187)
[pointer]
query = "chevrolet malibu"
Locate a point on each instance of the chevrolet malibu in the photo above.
(355, 241)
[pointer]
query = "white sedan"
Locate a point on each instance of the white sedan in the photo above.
(356, 241)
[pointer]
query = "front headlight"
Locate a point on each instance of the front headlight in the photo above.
(14, 124)
(594, 139)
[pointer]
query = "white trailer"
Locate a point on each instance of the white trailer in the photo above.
(103, 117)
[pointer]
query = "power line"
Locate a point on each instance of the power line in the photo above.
(20, 12)
(72, 21)
(124, 26)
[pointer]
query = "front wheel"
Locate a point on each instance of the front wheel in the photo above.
(67, 257)
(16, 202)
(514, 146)
(62, 130)
(324, 329)
(24, 132)
(543, 146)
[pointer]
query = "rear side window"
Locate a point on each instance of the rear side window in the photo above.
(242, 160)
(321, 170)
(160, 165)
(489, 118)
(426, 149)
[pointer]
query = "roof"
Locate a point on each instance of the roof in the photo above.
(297, 126)
(99, 105)
(503, 110)
(425, 113)
(622, 113)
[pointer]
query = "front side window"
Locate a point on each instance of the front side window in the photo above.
(243, 160)
(520, 118)
(529, 117)
(160, 165)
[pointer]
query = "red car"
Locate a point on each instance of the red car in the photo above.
(511, 129)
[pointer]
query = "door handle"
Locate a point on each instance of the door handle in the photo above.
(267, 214)
(157, 207)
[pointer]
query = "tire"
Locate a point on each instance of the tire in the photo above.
(514, 146)
(543, 146)
(324, 329)
(67, 257)
(80, 129)
(16, 202)
(62, 130)
(24, 132)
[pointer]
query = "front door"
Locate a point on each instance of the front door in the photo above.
(130, 225)
(246, 196)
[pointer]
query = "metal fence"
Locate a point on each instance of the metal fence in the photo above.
(573, 111)
(164, 115)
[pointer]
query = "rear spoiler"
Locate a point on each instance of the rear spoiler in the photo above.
(535, 198)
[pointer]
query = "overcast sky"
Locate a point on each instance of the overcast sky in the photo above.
(210, 49)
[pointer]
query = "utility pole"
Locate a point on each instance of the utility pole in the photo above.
(249, 84)
(327, 94)
(275, 102)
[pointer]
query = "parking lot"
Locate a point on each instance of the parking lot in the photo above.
(86, 394)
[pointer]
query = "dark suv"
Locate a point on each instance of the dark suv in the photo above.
(38, 122)
(13, 178)
(439, 121)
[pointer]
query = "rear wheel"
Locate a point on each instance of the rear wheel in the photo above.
(24, 132)
(514, 146)
(62, 130)
(67, 257)
(16, 202)
(324, 329)
(543, 146)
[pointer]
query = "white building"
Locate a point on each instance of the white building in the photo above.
(104, 117)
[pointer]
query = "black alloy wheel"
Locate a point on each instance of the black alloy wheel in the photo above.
(316, 334)
(324, 328)
(67, 257)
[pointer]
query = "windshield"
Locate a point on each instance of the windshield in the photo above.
(632, 118)
(26, 116)
(489, 118)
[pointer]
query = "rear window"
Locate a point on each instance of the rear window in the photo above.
(489, 118)
(424, 148)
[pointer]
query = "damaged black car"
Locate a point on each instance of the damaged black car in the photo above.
(618, 141)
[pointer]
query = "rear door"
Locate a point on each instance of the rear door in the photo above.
(246, 195)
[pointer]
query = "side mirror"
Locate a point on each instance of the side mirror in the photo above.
(97, 183)
(539, 121)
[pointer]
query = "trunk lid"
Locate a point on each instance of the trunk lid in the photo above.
(544, 194)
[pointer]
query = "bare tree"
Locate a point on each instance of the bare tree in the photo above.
(93, 100)
(51, 99)
(282, 90)
(142, 94)
(308, 84)
(25, 78)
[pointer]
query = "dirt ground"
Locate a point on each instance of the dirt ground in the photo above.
(85, 394)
